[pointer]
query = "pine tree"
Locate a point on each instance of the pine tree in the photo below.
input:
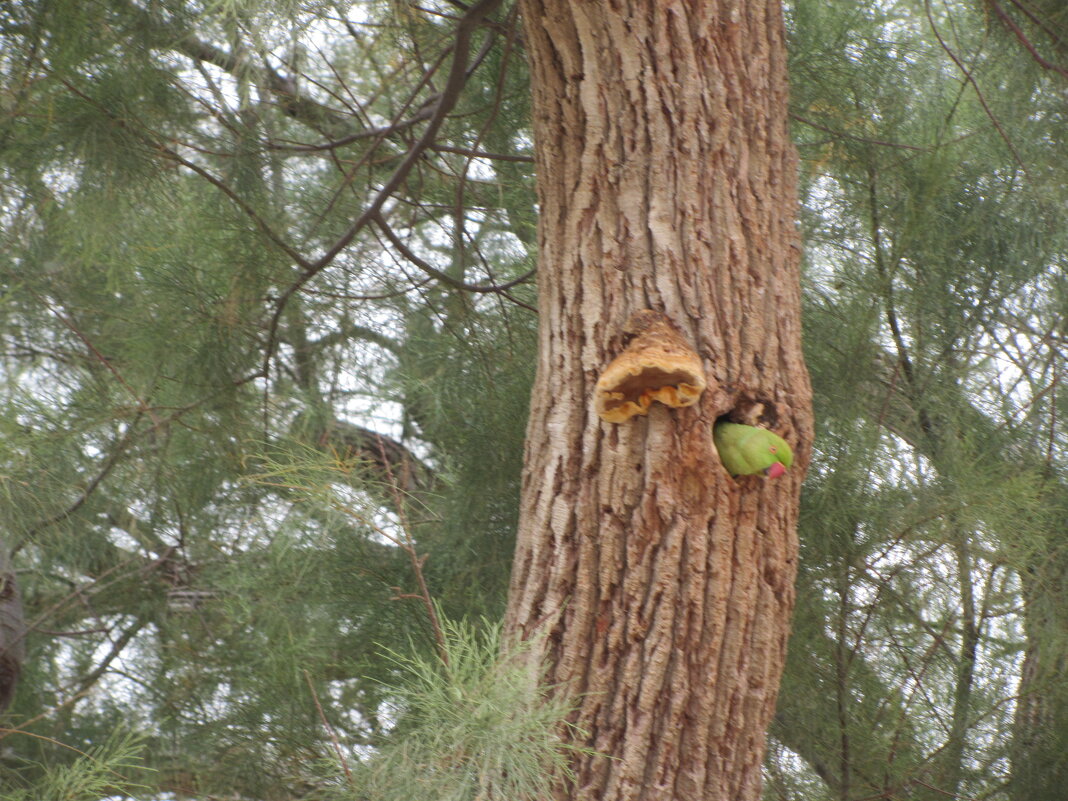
(268, 339)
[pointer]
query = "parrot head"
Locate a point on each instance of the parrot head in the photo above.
(779, 450)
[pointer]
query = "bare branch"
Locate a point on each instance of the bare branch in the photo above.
(1010, 23)
(449, 95)
(304, 109)
(433, 272)
(478, 154)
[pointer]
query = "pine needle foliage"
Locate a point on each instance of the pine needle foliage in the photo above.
(103, 771)
(932, 234)
(468, 391)
(475, 726)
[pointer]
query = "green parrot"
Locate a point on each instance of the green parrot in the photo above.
(746, 450)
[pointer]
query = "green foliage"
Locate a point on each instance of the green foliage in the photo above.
(933, 235)
(101, 771)
(477, 725)
(468, 391)
(193, 555)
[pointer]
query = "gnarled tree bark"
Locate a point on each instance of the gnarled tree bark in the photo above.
(663, 586)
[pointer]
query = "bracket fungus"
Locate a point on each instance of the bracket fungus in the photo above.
(657, 364)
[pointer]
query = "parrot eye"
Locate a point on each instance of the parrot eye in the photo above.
(773, 449)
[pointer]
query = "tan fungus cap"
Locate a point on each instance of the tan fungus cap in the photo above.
(657, 365)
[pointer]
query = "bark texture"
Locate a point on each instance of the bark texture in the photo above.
(663, 587)
(12, 631)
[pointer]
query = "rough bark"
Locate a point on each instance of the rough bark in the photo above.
(1039, 748)
(666, 180)
(12, 631)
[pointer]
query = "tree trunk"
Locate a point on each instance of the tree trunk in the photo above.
(12, 631)
(1040, 731)
(662, 586)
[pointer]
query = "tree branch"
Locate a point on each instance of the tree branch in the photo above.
(1010, 23)
(449, 95)
(314, 114)
(433, 272)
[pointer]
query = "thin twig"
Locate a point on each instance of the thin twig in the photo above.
(433, 272)
(481, 154)
(21, 728)
(149, 141)
(116, 649)
(367, 133)
(854, 137)
(413, 556)
(238, 201)
(328, 727)
(971, 80)
(142, 406)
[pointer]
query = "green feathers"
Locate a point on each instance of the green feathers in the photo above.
(746, 450)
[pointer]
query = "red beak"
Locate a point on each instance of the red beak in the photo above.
(775, 470)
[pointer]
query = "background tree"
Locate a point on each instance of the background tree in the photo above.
(244, 297)
(240, 405)
(933, 233)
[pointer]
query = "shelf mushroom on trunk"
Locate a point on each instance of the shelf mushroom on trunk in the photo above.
(657, 364)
